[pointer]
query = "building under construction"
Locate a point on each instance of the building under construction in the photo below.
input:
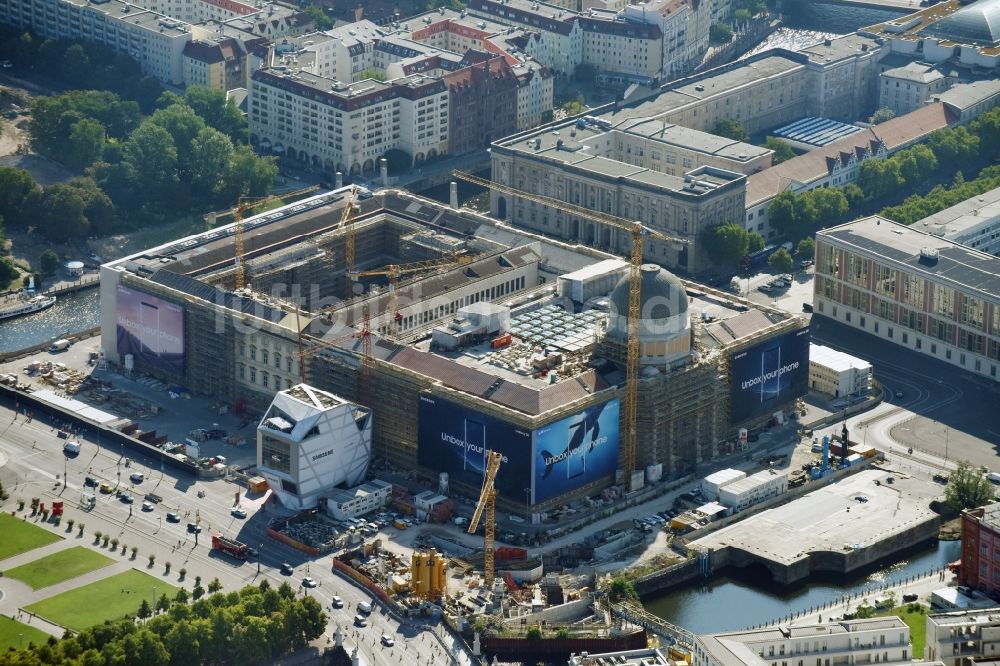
(463, 335)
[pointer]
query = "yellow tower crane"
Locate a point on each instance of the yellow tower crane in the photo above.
(638, 233)
(347, 220)
(393, 272)
(487, 503)
(244, 204)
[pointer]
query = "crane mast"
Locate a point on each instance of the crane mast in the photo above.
(638, 233)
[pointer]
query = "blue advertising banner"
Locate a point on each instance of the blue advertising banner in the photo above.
(576, 450)
(151, 329)
(768, 375)
(454, 439)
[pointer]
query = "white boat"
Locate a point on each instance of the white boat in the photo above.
(25, 305)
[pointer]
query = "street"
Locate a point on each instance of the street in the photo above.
(32, 465)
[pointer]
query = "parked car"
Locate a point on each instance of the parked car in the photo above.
(337, 602)
(360, 621)
(194, 528)
(308, 582)
(239, 512)
(147, 506)
(136, 477)
(286, 568)
(173, 517)
(387, 640)
(126, 498)
(90, 482)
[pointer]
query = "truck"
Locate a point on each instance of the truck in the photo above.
(230, 546)
(60, 345)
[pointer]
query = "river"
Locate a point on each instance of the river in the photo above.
(72, 312)
(735, 600)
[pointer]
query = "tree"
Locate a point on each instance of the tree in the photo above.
(144, 610)
(755, 242)
(585, 73)
(916, 164)
(880, 178)
(830, 207)
(371, 73)
(731, 129)
(574, 107)
(58, 212)
(182, 571)
(214, 586)
(184, 126)
(151, 153)
(211, 153)
(319, 17)
(49, 262)
(622, 589)
(182, 596)
(953, 146)
(75, 64)
(15, 186)
(197, 592)
(742, 15)
(86, 142)
(782, 151)
(163, 603)
(881, 115)
(218, 111)
(806, 248)
(780, 261)
(533, 634)
(720, 33)
(726, 244)
(398, 160)
(854, 195)
(8, 272)
(968, 487)
(248, 175)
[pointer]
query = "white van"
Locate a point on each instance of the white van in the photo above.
(994, 477)
(365, 607)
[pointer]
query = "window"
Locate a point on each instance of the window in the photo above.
(944, 301)
(253, 353)
(277, 360)
(264, 379)
(253, 375)
(275, 453)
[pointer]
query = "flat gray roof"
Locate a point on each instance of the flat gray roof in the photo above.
(964, 215)
(968, 270)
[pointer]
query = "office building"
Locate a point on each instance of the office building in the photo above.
(980, 568)
(907, 88)
(928, 294)
(974, 223)
(310, 442)
(884, 640)
(838, 374)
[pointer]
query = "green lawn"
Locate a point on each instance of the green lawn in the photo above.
(20, 536)
(14, 634)
(107, 599)
(917, 621)
(59, 566)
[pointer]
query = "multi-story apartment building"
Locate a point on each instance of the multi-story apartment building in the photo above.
(884, 640)
(632, 43)
(963, 637)
(346, 127)
(914, 289)
(218, 63)
(155, 39)
(432, 102)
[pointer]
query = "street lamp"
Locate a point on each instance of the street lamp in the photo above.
(259, 549)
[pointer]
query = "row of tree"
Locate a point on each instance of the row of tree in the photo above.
(252, 626)
(190, 154)
(916, 207)
(882, 181)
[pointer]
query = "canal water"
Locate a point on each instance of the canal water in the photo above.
(72, 312)
(739, 599)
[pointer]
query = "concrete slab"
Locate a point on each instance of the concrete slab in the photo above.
(831, 529)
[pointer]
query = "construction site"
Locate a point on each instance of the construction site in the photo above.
(464, 337)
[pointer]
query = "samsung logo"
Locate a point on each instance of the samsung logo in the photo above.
(322, 455)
